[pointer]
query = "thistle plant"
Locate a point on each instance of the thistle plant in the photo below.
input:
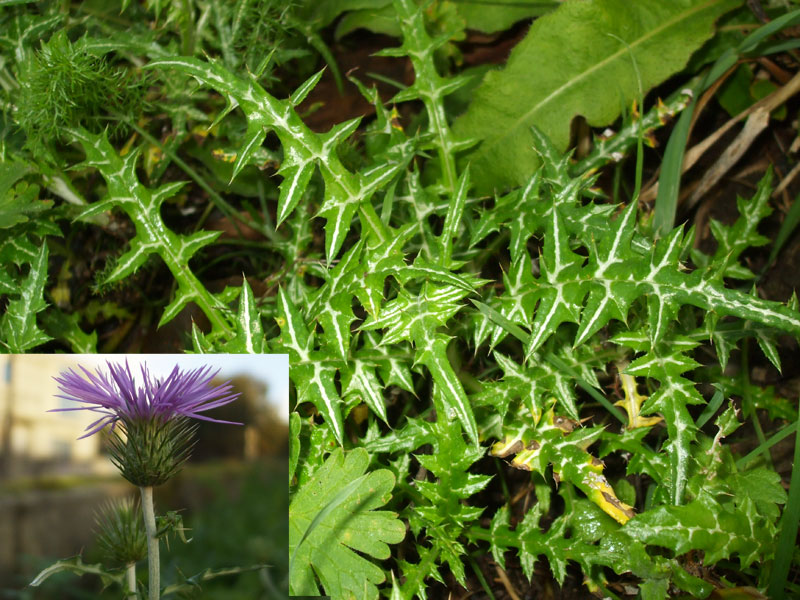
(497, 346)
(151, 434)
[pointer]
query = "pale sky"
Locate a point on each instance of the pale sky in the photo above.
(271, 369)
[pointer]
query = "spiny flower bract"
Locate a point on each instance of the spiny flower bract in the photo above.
(116, 395)
(121, 536)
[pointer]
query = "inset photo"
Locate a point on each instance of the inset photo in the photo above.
(144, 476)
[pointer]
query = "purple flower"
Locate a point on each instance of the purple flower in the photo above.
(116, 395)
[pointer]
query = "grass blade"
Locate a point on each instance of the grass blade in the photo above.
(766, 445)
(787, 536)
(787, 228)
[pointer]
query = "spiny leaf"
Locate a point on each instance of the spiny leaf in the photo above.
(704, 525)
(666, 362)
(561, 297)
(416, 319)
(77, 566)
(65, 327)
(142, 205)
(249, 337)
(359, 379)
(313, 378)
(632, 403)
(556, 440)
(18, 326)
(432, 352)
(345, 192)
(454, 215)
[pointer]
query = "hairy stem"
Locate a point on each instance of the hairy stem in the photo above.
(153, 566)
(130, 580)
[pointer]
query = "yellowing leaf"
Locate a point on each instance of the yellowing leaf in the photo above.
(633, 404)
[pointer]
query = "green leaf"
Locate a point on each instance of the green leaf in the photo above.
(313, 378)
(359, 380)
(704, 525)
(500, 16)
(249, 335)
(65, 327)
(560, 298)
(594, 83)
(78, 567)
(416, 318)
(18, 204)
(346, 193)
(413, 317)
(666, 363)
(143, 205)
(334, 549)
(454, 217)
(191, 585)
(332, 305)
(294, 443)
(18, 327)
(432, 352)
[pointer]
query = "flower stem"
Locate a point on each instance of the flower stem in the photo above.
(130, 578)
(153, 567)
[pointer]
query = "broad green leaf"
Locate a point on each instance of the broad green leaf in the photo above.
(540, 87)
(335, 550)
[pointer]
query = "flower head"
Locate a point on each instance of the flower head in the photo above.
(116, 395)
(156, 434)
(121, 534)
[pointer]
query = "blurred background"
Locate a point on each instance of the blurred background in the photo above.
(232, 494)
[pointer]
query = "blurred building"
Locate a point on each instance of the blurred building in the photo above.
(32, 440)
